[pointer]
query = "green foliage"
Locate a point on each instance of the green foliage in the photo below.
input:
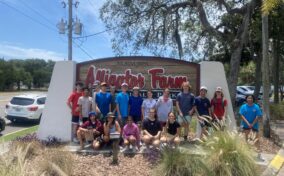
(30, 72)
(229, 154)
(277, 111)
(179, 163)
(269, 5)
(247, 74)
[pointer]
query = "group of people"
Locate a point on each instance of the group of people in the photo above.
(100, 117)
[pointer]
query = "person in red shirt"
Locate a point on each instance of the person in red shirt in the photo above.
(219, 105)
(90, 130)
(72, 103)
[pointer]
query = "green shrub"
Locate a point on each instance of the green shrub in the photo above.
(229, 155)
(180, 163)
(277, 111)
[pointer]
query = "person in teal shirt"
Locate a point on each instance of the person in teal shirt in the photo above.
(122, 101)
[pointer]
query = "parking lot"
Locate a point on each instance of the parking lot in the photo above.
(5, 97)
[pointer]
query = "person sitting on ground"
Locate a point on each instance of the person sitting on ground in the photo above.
(171, 131)
(151, 130)
(112, 133)
(131, 134)
(219, 105)
(202, 108)
(90, 130)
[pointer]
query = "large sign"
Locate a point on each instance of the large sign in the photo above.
(154, 73)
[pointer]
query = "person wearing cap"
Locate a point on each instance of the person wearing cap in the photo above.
(219, 105)
(103, 101)
(202, 108)
(122, 100)
(164, 106)
(85, 105)
(184, 104)
(96, 89)
(112, 128)
(72, 103)
(90, 130)
(135, 103)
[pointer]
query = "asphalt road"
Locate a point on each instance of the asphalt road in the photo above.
(5, 97)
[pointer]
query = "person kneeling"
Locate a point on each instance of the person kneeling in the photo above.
(171, 131)
(151, 130)
(89, 130)
(112, 135)
(131, 134)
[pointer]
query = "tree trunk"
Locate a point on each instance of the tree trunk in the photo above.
(265, 77)
(276, 66)
(237, 47)
(257, 75)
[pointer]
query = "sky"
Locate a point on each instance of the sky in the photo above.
(28, 30)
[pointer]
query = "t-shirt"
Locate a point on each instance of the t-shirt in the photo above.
(172, 128)
(164, 107)
(153, 127)
(103, 101)
(122, 100)
(90, 125)
(135, 105)
(147, 105)
(73, 98)
(219, 105)
(202, 105)
(129, 130)
(113, 104)
(185, 102)
(86, 103)
(250, 113)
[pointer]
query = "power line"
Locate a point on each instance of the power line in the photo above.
(84, 51)
(35, 11)
(31, 18)
(86, 36)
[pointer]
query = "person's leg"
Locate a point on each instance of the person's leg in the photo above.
(156, 143)
(176, 141)
(96, 144)
(246, 133)
(186, 127)
(132, 140)
(115, 150)
(164, 139)
(81, 137)
(146, 139)
(75, 123)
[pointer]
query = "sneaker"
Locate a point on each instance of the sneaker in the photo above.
(259, 158)
(185, 138)
(75, 140)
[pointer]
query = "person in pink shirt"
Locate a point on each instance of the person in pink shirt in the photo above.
(131, 134)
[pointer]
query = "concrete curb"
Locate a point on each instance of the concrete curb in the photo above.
(276, 163)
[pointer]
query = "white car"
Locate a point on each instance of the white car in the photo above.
(25, 108)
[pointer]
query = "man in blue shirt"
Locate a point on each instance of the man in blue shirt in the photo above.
(135, 103)
(103, 101)
(122, 100)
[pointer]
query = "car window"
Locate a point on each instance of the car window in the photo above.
(22, 101)
(41, 101)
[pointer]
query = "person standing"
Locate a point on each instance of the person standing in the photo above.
(113, 97)
(72, 103)
(103, 102)
(135, 103)
(184, 104)
(96, 89)
(219, 105)
(164, 106)
(85, 105)
(202, 108)
(148, 103)
(122, 101)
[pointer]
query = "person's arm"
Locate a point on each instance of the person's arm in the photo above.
(178, 108)
(69, 102)
(137, 136)
(192, 109)
(106, 129)
(118, 129)
(225, 108)
(241, 112)
(142, 111)
(124, 129)
(245, 120)
(80, 108)
(117, 108)
(158, 135)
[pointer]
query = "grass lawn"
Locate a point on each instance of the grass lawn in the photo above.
(16, 134)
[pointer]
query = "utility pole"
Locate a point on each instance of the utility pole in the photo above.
(70, 27)
(77, 25)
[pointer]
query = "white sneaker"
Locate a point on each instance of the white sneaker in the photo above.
(75, 140)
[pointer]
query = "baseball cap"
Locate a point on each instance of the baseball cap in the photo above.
(218, 89)
(203, 88)
(135, 88)
(124, 84)
(79, 83)
(110, 114)
(97, 82)
(92, 113)
(103, 84)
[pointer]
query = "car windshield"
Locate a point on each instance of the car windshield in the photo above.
(22, 101)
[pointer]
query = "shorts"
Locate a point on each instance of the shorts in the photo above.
(75, 119)
(253, 129)
(184, 119)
